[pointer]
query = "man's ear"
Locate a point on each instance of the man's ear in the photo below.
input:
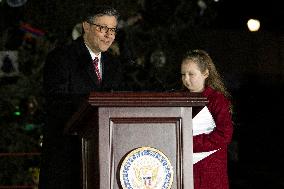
(86, 27)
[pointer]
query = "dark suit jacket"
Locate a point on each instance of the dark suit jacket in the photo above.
(67, 80)
(69, 70)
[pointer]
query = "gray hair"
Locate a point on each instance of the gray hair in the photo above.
(102, 10)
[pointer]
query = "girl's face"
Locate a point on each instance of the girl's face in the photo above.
(191, 76)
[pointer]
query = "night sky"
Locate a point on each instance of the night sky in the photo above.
(233, 14)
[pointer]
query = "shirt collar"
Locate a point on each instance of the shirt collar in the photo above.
(93, 55)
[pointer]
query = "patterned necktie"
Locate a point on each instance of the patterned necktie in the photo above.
(96, 67)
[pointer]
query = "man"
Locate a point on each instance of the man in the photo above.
(70, 74)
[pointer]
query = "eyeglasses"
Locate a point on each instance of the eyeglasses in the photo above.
(104, 29)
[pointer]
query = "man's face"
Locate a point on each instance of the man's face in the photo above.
(100, 34)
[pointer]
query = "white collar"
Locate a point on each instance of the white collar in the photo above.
(93, 55)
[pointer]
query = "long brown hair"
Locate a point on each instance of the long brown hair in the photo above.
(204, 62)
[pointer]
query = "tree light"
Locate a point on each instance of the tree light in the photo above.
(17, 113)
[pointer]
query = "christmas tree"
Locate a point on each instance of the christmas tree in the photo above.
(152, 35)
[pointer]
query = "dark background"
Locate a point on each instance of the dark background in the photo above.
(251, 64)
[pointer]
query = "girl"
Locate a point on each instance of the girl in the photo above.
(200, 75)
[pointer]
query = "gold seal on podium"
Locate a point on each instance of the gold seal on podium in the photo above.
(146, 168)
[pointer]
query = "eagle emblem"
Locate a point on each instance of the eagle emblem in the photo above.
(146, 168)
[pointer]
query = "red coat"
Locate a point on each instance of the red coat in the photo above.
(211, 172)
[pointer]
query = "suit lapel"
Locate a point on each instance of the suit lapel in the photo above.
(86, 60)
(110, 72)
(106, 68)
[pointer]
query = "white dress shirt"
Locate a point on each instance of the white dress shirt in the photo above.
(93, 55)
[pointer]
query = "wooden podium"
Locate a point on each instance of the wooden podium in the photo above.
(113, 124)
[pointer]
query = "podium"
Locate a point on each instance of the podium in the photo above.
(113, 124)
